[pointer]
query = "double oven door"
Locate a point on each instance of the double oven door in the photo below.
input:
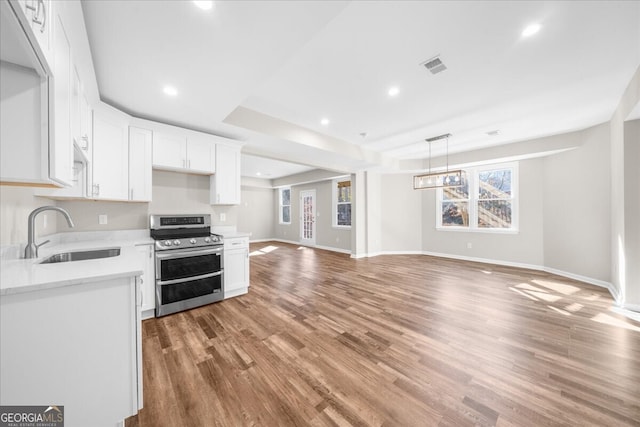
(188, 278)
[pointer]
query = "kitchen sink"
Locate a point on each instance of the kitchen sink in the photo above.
(81, 255)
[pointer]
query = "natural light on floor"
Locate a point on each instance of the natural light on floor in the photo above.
(263, 251)
(548, 295)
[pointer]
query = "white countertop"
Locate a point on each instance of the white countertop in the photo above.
(28, 275)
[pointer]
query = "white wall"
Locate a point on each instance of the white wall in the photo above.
(525, 247)
(15, 205)
(632, 211)
(401, 219)
(576, 207)
(256, 214)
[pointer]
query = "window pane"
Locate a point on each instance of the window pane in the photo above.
(453, 193)
(344, 191)
(455, 214)
(286, 197)
(344, 214)
(286, 214)
(495, 184)
(494, 214)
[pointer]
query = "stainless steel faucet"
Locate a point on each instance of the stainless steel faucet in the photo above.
(31, 251)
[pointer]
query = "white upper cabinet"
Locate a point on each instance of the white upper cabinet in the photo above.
(60, 90)
(110, 155)
(38, 16)
(140, 158)
(201, 153)
(225, 184)
(169, 151)
(186, 152)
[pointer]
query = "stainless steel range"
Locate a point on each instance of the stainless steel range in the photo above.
(189, 264)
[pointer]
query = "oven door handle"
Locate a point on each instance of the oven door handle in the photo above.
(189, 279)
(187, 252)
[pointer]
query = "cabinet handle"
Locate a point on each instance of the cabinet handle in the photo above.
(43, 22)
(29, 5)
(85, 138)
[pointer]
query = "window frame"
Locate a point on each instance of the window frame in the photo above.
(281, 206)
(473, 178)
(335, 203)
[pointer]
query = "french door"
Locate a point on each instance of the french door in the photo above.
(308, 217)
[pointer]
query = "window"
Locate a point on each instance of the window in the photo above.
(485, 202)
(342, 203)
(285, 206)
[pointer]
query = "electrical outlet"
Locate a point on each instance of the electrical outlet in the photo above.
(102, 219)
(469, 245)
(223, 217)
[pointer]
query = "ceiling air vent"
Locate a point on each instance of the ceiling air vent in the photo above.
(434, 65)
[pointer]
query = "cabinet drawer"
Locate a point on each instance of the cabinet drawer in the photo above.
(236, 243)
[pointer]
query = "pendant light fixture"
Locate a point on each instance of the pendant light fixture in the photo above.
(449, 178)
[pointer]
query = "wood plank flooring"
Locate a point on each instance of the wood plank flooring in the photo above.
(325, 340)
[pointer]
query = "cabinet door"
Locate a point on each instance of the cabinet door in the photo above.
(110, 157)
(39, 14)
(148, 278)
(140, 143)
(236, 271)
(225, 184)
(201, 154)
(85, 125)
(61, 147)
(75, 108)
(169, 151)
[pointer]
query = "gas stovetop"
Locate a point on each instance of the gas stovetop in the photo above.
(182, 231)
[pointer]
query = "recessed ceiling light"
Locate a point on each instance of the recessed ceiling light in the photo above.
(393, 91)
(170, 90)
(531, 30)
(204, 4)
(258, 173)
(324, 122)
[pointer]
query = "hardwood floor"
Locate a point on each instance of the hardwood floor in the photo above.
(324, 340)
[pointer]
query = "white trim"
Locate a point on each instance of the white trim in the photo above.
(628, 312)
(596, 282)
(281, 206)
(634, 308)
(485, 260)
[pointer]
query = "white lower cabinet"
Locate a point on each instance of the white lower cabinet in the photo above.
(148, 280)
(236, 266)
(74, 345)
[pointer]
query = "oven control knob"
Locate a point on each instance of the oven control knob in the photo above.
(207, 240)
(167, 243)
(192, 241)
(176, 242)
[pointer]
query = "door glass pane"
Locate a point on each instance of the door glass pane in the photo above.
(307, 217)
